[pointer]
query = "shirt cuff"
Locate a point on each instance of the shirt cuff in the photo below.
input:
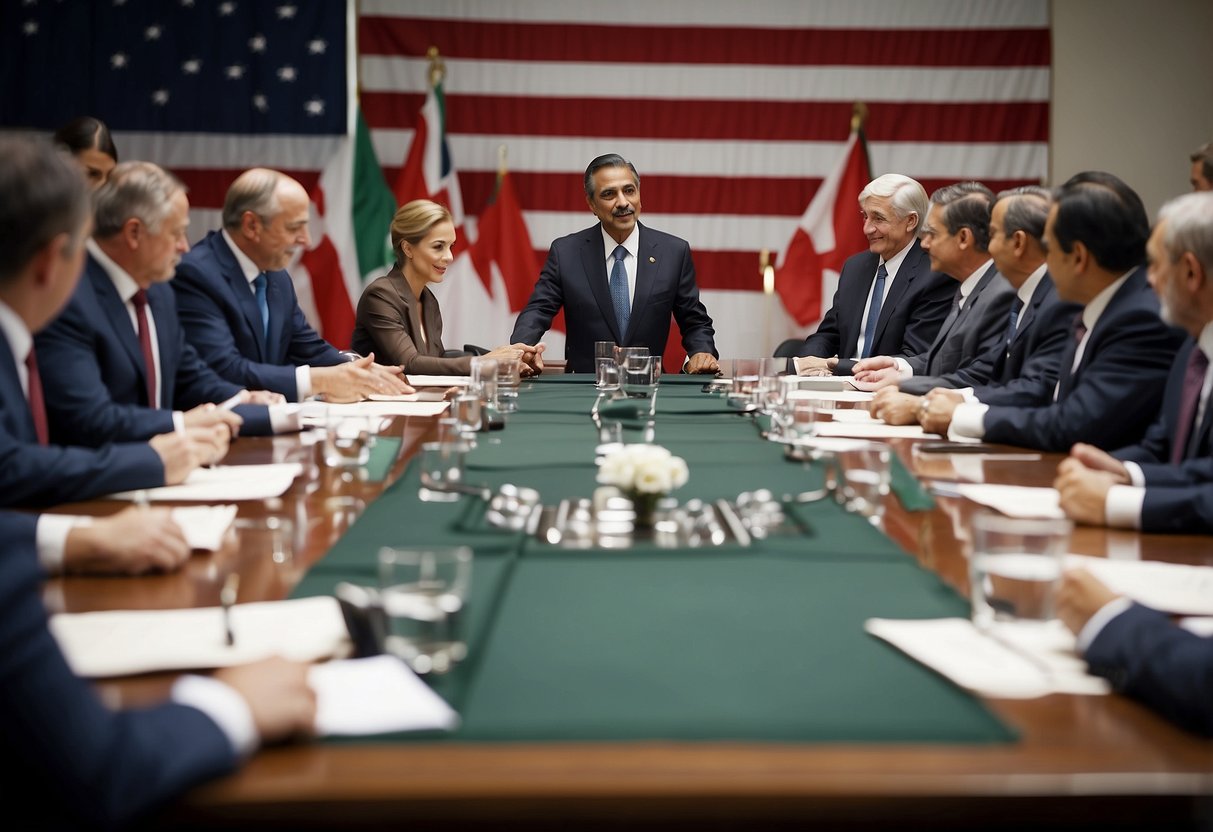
(285, 418)
(50, 536)
(968, 420)
(178, 421)
(224, 706)
(1097, 622)
(968, 394)
(1122, 508)
(1136, 477)
(904, 370)
(303, 382)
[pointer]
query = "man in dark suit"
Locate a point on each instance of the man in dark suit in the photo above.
(84, 764)
(1140, 651)
(121, 369)
(956, 235)
(1164, 483)
(888, 300)
(239, 308)
(43, 224)
(1115, 365)
(1022, 367)
(618, 281)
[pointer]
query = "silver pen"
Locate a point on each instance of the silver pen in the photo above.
(227, 597)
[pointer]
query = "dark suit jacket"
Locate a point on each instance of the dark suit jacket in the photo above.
(1111, 398)
(96, 380)
(1025, 371)
(1156, 445)
(36, 475)
(910, 315)
(75, 762)
(964, 344)
(575, 278)
(389, 317)
(223, 323)
(1147, 657)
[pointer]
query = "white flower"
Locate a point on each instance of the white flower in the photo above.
(644, 469)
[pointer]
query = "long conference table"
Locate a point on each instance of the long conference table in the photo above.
(716, 687)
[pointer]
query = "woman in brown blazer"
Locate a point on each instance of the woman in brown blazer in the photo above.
(398, 316)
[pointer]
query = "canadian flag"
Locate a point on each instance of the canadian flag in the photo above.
(829, 232)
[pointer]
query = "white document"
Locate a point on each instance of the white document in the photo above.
(421, 396)
(855, 414)
(831, 395)
(224, 483)
(392, 408)
(873, 429)
(125, 642)
(1015, 500)
(377, 695)
(1012, 661)
(418, 380)
(204, 526)
(1170, 587)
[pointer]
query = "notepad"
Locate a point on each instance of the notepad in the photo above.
(377, 695)
(223, 483)
(125, 642)
(1171, 587)
(1015, 500)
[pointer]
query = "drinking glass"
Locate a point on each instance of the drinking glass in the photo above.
(606, 369)
(865, 479)
(1015, 568)
(641, 375)
(347, 440)
(423, 592)
(467, 411)
(509, 379)
(484, 380)
(441, 470)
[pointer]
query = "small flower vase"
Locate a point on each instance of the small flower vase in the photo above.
(645, 506)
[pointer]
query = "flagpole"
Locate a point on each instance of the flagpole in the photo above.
(767, 271)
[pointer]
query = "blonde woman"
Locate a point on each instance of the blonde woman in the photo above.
(398, 316)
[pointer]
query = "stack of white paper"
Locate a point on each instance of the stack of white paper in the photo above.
(387, 408)
(1011, 661)
(122, 642)
(831, 395)
(873, 429)
(418, 380)
(1171, 587)
(223, 483)
(1015, 500)
(375, 696)
(204, 526)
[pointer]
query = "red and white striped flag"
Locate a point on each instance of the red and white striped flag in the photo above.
(734, 114)
(829, 232)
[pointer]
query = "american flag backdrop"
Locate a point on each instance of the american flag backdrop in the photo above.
(732, 112)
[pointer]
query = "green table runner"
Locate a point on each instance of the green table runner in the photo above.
(760, 643)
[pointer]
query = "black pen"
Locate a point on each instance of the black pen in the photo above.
(227, 597)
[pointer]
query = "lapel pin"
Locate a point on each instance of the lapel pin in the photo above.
(652, 259)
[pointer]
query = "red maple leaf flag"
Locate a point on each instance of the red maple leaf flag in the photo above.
(830, 231)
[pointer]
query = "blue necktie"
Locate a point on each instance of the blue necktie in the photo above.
(869, 329)
(259, 289)
(1013, 323)
(619, 290)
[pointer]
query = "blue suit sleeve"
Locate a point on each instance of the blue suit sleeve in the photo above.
(1147, 657)
(546, 299)
(82, 764)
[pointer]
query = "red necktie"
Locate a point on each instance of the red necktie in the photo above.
(139, 299)
(37, 407)
(1194, 380)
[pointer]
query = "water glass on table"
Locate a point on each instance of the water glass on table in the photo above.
(484, 380)
(347, 440)
(509, 379)
(441, 465)
(1015, 568)
(424, 591)
(606, 367)
(641, 375)
(865, 475)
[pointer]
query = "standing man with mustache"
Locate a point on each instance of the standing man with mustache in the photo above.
(619, 280)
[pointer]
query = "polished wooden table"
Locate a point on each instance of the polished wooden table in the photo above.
(1082, 762)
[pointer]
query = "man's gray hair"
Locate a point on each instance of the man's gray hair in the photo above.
(134, 189)
(906, 196)
(1189, 227)
(1027, 210)
(608, 160)
(254, 190)
(966, 205)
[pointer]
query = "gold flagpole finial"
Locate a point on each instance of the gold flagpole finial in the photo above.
(502, 153)
(767, 269)
(437, 66)
(859, 115)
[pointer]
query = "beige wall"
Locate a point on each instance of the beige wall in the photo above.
(1132, 90)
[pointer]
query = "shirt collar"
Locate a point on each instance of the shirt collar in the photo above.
(247, 267)
(123, 282)
(894, 263)
(1092, 311)
(632, 243)
(1205, 341)
(20, 341)
(970, 282)
(1028, 288)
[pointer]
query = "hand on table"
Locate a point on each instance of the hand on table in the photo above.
(703, 363)
(1083, 491)
(879, 370)
(277, 693)
(133, 541)
(895, 407)
(1079, 596)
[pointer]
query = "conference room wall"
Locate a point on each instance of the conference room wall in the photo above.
(1131, 91)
